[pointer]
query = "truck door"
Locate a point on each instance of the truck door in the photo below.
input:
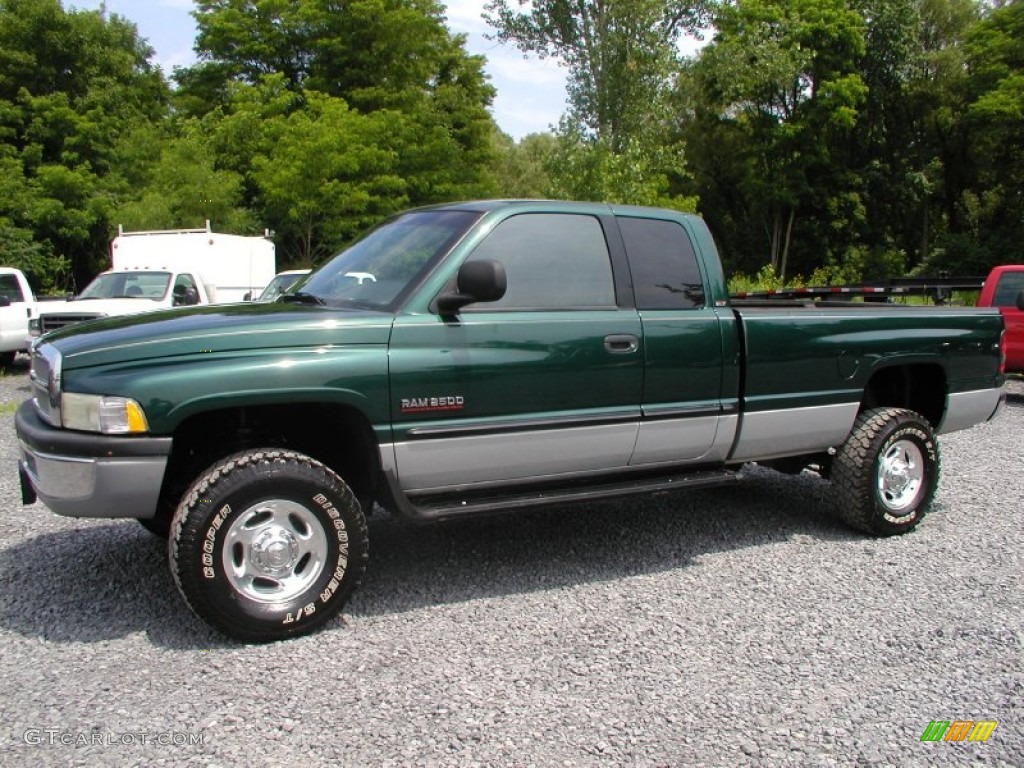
(541, 384)
(683, 359)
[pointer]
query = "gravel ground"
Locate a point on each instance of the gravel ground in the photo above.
(738, 626)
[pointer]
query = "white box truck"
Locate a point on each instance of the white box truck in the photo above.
(161, 269)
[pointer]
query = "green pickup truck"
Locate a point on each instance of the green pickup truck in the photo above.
(505, 354)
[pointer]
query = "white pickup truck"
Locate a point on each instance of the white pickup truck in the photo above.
(123, 292)
(17, 308)
(168, 268)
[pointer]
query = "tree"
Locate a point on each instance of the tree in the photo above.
(615, 142)
(784, 75)
(995, 53)
(620, 56)
(71, 84)
(177, 182)
(521, 167)
(333, 117)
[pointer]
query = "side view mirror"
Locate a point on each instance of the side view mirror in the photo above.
(248, 296)
(483, 280)
(1020, 301)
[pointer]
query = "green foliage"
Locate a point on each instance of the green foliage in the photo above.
(46, 272)
(780, 84)
(179, 184)
(520, 169)
(838, 139)
(620, 56)
(71, 85)
(583, 168)
(328, 173)
(322, 121)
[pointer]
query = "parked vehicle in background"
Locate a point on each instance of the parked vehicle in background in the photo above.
(17, 308)
(1004, 288)
(281, 283)
(165, 269)
(478, 357)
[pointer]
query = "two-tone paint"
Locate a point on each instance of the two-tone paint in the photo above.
(496, 401)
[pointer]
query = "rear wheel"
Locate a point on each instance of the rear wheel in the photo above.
(268, 544)
(885, 475)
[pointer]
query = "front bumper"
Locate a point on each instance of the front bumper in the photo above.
(78, 474)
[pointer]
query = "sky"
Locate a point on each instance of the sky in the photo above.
(531, 92)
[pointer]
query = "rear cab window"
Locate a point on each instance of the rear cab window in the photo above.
(11, 289)
(1010, 284)
(663, 264)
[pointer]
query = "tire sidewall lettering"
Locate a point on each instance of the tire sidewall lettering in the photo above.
(930, 453)
(302, 608)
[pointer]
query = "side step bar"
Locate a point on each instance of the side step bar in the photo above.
(454, 505)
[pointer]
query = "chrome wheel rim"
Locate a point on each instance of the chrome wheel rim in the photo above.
(274, 550)
(900, 476)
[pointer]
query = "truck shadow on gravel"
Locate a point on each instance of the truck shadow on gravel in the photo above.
(96, 583)
(416, 567)
(103, 581)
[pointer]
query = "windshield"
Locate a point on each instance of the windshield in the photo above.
(377, 271)
(128, 285)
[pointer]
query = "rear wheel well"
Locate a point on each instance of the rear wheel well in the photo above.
(919, 387)
(338, 436)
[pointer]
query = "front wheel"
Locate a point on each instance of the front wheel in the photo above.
(267, 544)
(885, 474)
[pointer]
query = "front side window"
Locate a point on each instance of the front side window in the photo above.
(552, 260)
(663, 264)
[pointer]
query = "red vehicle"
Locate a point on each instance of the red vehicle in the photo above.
(1004, 288)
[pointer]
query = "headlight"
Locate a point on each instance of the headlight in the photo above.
(101, 413)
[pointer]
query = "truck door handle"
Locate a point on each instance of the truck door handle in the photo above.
(621, 343)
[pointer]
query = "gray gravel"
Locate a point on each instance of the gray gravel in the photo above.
(738, 626)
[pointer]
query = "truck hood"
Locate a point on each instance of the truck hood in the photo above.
(216, 329)
(105, 307)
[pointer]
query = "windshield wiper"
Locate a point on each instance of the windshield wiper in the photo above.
(301, 297)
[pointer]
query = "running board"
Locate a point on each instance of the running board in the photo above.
(452, 505)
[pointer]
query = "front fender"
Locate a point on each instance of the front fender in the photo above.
(174, 389)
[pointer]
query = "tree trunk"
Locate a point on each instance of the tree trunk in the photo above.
(789, 239)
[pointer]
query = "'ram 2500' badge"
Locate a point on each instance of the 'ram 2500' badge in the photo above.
(430, 404)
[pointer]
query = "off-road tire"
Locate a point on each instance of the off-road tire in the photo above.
(885, 475)
(267, 544)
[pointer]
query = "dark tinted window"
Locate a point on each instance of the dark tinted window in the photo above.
(663, 264)
(1010, 284)
(10, 288)
(183, 282)
(553, 261)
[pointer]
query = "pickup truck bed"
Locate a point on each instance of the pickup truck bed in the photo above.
(504, 354)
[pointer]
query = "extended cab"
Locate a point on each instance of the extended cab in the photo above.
(504, 355)
(1004, 288)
